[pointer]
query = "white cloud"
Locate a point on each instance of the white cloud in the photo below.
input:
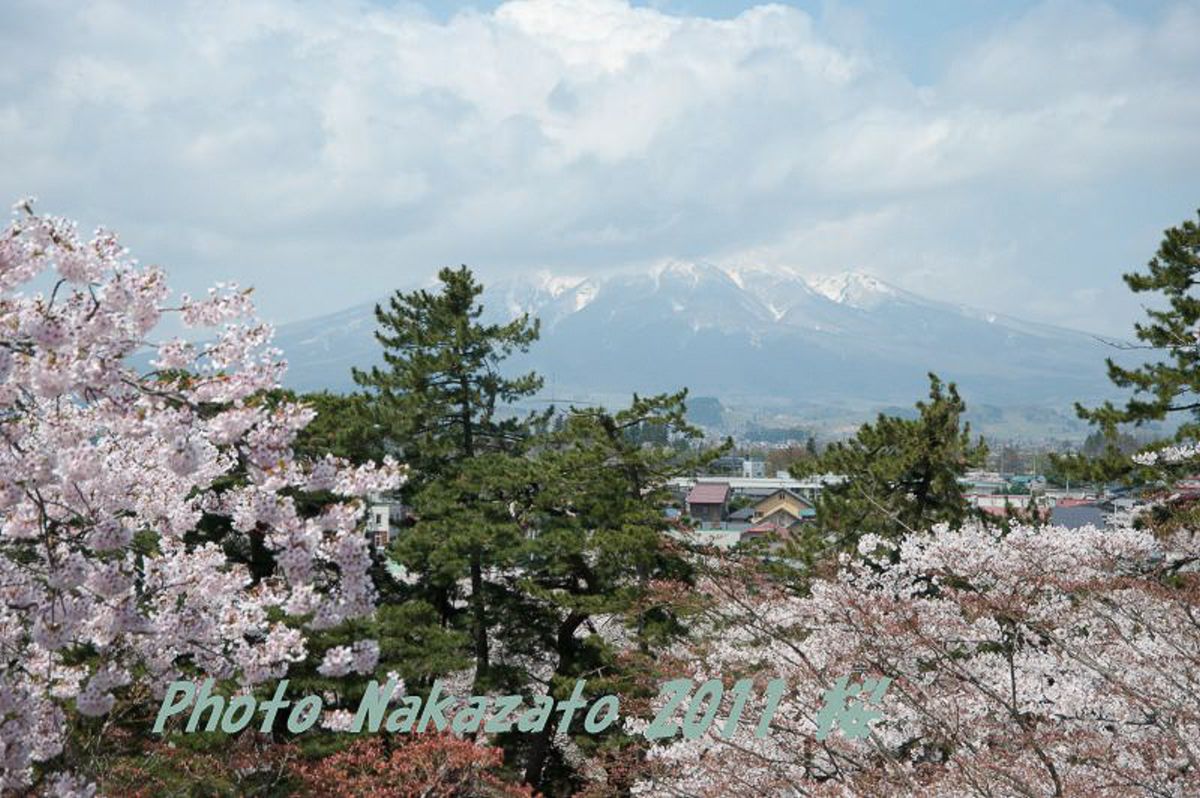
(328, 151)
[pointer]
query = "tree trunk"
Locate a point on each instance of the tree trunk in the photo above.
(444, 605)
(565, 646)
(478, 605)
(479, 619)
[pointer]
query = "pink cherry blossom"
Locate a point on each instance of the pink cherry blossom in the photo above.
(1036, 661)
(95, 456)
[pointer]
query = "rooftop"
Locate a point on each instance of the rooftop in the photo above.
(766, 527)
(764, 484)
(709, 493)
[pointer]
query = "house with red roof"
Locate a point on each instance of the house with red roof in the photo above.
(766, 529)
(708, 502)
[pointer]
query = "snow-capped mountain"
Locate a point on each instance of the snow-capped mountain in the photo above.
(750, 334)
(856, 290)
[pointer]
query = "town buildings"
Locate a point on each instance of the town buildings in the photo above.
(775, 506)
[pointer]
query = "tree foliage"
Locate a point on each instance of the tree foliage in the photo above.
(1045, 661)
(1168, 388)
(344, 427)
(109, 588)
(597, 550)
(432, 766)
(442, 397)
(896, 475)
(443, 401)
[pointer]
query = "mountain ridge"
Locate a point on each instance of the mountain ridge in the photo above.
(748, 335)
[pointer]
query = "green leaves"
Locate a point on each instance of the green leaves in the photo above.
(900, 475)
(526, 532)
(345, 426)
(441, 393)
(1168, 387)
(441, 401)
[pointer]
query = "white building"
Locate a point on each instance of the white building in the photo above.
(384, 516)
(759, 487)
(754, 469)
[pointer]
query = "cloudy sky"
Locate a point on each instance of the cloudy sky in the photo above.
(1015, 156)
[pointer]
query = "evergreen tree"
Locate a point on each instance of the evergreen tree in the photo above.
(344, 427)
(442, 401)
(597, 544)
(465, 529)
(899, 475)
(441, 396)
(1166, 389)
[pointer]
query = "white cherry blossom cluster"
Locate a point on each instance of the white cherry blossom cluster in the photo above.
(1168, 455)
(1036, 661)
(104, 472)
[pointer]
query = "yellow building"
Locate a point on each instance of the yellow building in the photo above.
(784, 509)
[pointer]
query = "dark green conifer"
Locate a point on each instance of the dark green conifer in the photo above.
(442, 401)
(898, 475)
(1166, 389)
(597, 543)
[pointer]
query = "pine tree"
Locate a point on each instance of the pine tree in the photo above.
(441, 395)
(898, 475)
(1167, 388)
(344, 427)
(442, 401)
(597, 541)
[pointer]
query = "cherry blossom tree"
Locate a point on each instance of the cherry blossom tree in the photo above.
(1036, 661)
(105, 473)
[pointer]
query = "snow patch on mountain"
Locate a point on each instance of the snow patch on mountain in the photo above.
(674, 268)
(557, 284)
(853, 289)
(585, 294)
